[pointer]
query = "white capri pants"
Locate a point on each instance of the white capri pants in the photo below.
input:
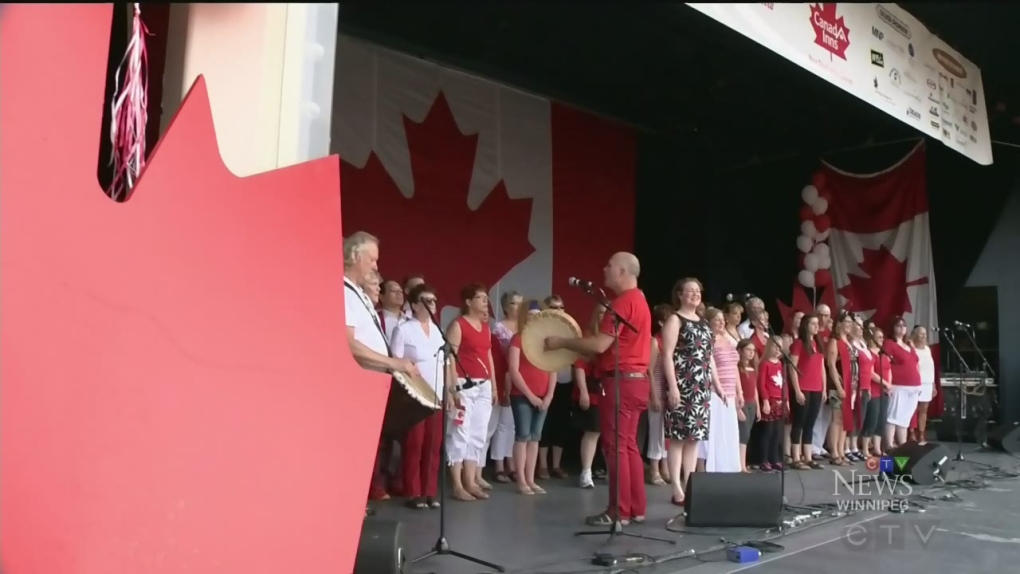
(501, 433)
(902, 405)
(466, 441)
(656, 434)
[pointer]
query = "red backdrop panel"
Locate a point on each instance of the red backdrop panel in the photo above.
(594, 165)
(177, 390)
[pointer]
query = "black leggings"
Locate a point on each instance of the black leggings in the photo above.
(804, 417)
(874, 416)
(559, 430)
(771, 437)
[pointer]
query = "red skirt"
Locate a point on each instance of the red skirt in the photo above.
(776, 410)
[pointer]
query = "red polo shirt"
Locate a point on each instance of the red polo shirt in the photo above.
(635, 348)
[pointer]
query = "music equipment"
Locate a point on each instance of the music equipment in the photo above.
(724, 499)
(381, 548)
(545, 324)
(412, 399)
(977, 402)
(921, 464)
(1006, 438)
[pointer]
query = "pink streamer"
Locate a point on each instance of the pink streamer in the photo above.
(129, 112)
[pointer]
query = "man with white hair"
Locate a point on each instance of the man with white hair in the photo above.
(365, 335)
(755, 307)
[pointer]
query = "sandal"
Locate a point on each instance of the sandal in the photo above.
(799, 465)
(657, 480)
(433, 503)
(603, 520)
(526, 490)
(559, 473)
(638, 519)
(814, 465)
(677, 501)
(416, 503)
(502, 477)
(538, 489)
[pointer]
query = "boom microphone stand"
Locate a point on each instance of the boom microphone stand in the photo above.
(442, 546)
(951, 339)
(616, 528)
(785, 401)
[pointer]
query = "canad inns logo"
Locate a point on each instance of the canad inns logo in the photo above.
(830, 32)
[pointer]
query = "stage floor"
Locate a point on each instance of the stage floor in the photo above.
(977, 528)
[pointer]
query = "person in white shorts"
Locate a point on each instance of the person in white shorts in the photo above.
(926, 364)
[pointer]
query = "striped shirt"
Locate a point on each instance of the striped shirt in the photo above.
(726, 360)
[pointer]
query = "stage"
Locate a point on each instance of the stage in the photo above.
(977, 529)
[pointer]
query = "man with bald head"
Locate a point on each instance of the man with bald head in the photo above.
(626, 375)
(824, 321)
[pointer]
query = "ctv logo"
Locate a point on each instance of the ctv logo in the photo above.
(886, 491)
(892, 464)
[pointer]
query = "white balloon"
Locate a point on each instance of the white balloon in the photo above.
(825, 262)
(808, 228)
(823, 235)
(806, 278)
(821, 250)
(809, 194)
(804, 244)
(820, 205)
(811, 262)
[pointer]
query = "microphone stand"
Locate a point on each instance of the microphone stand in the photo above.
(984, 362)
(962, 415)
(616, 528)
(442, 546)
(785, 402)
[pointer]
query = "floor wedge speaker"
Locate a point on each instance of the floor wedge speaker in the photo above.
(919, 463)
(724, 499)
(381, 548)
(1006, 438)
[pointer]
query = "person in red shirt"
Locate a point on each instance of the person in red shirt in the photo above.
(749, 388)
(626, 375)
(587, 391)
(531, 393)
(906, 383)
(771, 386)
(825, 322)
(881, 385)
(808, 353)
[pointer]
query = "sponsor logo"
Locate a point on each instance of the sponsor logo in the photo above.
(831, 32)
(973, 139)
(877, 59)
(945, 133)
(877, 33)
(914, 113)
(973, 125)
(945, 106)
(932, 85)
(949, 63)
(893, 21)
(935, 124)
(972, 109)
(769, 5)
(933, 111)
(972, 94)
(910, 50)
(894, 77)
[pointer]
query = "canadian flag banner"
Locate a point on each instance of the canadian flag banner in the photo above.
(466, 180)
(880, 246)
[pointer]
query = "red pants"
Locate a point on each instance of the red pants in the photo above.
(629, 469)
(419, 457)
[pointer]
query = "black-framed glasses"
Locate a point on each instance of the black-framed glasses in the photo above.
(556, 307)
(427, 300)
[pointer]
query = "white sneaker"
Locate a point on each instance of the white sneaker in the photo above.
(586, 480)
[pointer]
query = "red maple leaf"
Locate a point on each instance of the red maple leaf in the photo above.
(882, 288)
(831, 32)
(177, 392)
(435, 232)
(800, 303)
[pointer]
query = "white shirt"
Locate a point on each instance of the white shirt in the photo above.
(926, 364)
(745, 330)
(390, 322)
(565, 376)
(362, 317)
(412, 343)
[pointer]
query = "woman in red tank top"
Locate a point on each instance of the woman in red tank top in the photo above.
(906, 383)
(470, 408)
(881, 384)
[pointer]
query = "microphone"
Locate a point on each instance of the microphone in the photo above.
(961, 325)
(575, 282)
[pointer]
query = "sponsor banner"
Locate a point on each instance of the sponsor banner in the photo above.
(879, 53)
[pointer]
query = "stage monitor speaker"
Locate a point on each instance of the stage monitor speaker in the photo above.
(920, 463)
(725, 499)
(1006, 438)
(381, 548)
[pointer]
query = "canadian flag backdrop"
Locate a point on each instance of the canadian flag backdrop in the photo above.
(880, 246)
(464, 180)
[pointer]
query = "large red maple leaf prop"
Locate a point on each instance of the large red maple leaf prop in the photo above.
(435, 232)
(882, 288)
(800, 302)
(177, 391)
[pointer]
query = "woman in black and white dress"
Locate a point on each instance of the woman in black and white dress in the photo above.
(690, 379)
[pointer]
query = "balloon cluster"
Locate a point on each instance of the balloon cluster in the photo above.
(814, 258)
